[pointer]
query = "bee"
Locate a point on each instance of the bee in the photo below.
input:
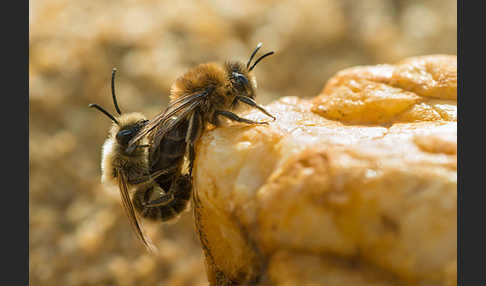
(129, 168)
(201, 96)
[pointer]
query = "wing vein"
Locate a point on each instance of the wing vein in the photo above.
(130, 212)
(174, 107)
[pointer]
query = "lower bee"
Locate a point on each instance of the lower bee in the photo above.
(202, 95)
(129, 168)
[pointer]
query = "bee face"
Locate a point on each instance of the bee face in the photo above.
(241, 80)
(125, 134)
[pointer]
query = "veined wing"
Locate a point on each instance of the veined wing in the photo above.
(172, 122)
(130, 212)
(176, 108)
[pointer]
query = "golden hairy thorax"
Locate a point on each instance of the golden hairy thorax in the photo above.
(197, 79)
(215, 76)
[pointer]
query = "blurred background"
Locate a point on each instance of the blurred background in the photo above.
(79, 234)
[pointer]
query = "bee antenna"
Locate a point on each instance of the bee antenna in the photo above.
(113, 90)
(261, 58)
(253, 54)
(104, 111)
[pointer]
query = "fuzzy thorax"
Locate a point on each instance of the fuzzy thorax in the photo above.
(207, 75)
(197, 79)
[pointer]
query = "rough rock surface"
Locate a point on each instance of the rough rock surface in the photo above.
(357, 186)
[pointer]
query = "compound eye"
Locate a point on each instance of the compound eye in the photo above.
(241, 79)
(124, 136)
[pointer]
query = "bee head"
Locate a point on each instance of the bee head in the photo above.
(240, 79)
(240, 75)
(129, 126)
(125, 126)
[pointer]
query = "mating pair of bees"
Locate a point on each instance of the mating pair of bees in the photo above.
(146, 157)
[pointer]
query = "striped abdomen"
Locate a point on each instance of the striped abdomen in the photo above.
(177, 200)
(169, 157)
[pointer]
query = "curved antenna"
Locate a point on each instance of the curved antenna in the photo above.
(253, 54)
(113, 90)
(104, 111)
(261, 58)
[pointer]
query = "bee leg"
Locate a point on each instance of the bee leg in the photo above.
(193, 133)
(147, 178)
(160, 201)
(215, 120)
(230, 115)
(252, 103)
(139, 180)
(141, 195)
(150, 209)
(167, 206)
(192, 157)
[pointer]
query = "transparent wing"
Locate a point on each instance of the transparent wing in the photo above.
(172, 122)
(176, 111)
(130, 212)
